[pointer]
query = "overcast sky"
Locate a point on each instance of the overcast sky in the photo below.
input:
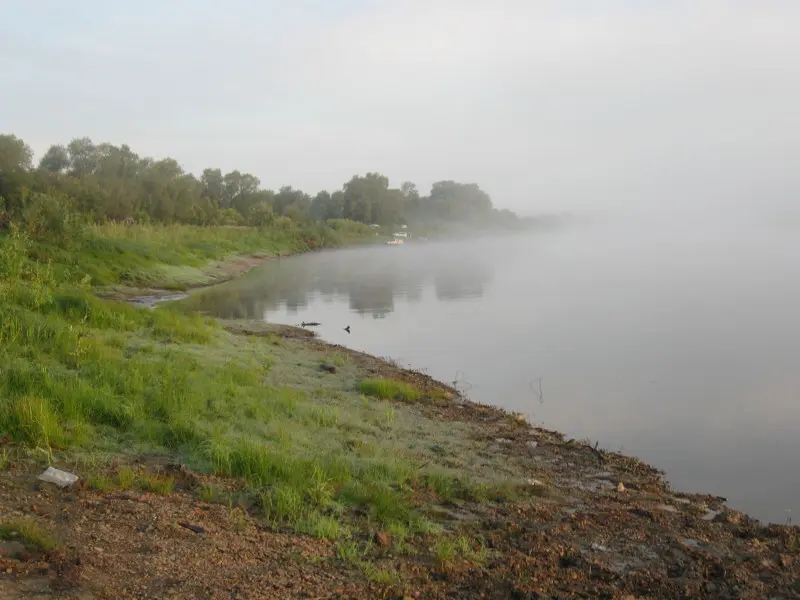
(547, 105)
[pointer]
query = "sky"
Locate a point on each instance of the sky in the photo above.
(547, 105)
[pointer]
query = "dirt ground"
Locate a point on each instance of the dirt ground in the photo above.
(593, 525)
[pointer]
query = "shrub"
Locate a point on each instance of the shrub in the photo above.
(48, 219)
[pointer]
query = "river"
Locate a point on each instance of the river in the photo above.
(676, 340)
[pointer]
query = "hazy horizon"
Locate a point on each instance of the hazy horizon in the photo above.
(547, 106)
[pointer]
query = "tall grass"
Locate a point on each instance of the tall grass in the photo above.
(77, 372)
(390, 389)
(171, 255)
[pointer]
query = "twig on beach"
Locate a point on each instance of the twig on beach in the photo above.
(597, 452)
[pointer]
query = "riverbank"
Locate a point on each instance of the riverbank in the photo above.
(302, 469)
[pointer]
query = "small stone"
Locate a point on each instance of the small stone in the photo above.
(533, 444)
(382, 539)
(535, 482)
(621, 488)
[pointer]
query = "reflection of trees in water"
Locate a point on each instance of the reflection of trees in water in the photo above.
(371, 281)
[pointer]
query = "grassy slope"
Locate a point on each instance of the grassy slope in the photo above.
(179, 256)
(94, 380)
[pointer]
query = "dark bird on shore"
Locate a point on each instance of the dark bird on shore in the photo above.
(310, 324)
(347, 329)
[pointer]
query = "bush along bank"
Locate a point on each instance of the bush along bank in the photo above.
(297, 468)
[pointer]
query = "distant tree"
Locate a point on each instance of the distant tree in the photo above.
(363, 195)
(389, 209)
(113, 182)
(326, 206)
(213, 186)
(261, 215)
(319, 206)
(287, 196)
(55, 160)
(296, 212)
(83, 156)
(409, 190)
(336, 206)
(14, 154)
(452, 201)
(238, 189)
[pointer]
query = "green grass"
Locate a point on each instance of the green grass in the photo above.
(351, 551)
(158, 484)
(29, 532)
(390, 389)
(447, 549)
(126, 477)
(381, 575)
(99, 482)
(90, 378)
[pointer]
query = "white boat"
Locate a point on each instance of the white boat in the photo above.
(395, 242)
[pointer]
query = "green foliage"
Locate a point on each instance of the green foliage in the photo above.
(390, 389)
(261, 215)
(5, 459)
(106, 182)
(126, 477)
(14, 154)
(158, 484)
(28, 531)
(48, 219)
(447, 549)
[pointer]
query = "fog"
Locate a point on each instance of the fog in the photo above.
(547, 105)
(662, 319)
(675, 340)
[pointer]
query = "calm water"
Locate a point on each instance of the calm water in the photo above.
(675, 340)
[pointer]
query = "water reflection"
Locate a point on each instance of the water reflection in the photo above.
(371, 280)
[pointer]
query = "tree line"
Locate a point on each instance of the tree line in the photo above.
(107, 182)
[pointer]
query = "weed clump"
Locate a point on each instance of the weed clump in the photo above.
(29, 532)
(390, 389)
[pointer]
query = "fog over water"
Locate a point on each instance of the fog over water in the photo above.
(670, 334)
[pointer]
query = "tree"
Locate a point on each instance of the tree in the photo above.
(83, 155)
(452, 201)
(287, 196)
(112, 162)
(14, 154)
(55, 160)
(261, 215)
(296, 212)
(213, 186)
(237, 187)
(362, 195)
(326, 206)
(389, 210)
(336, 206)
